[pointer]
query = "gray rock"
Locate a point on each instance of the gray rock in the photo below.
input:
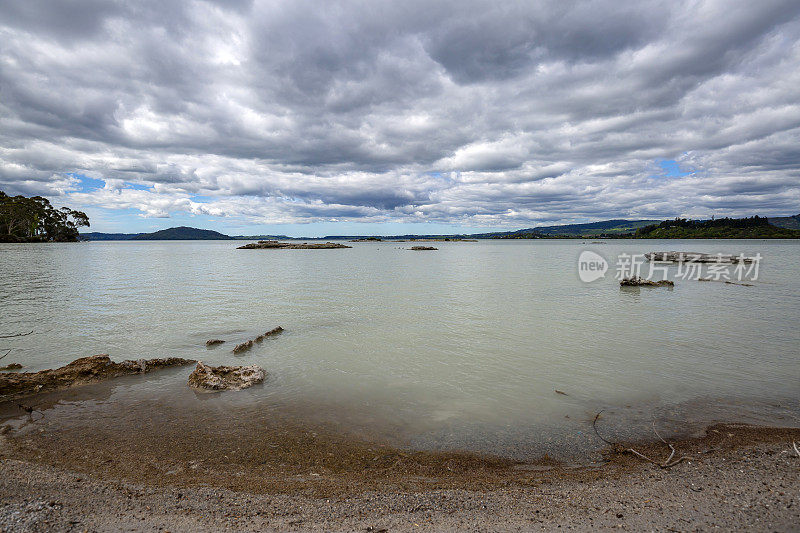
(207, 378)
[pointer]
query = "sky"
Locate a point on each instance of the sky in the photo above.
(374, 117)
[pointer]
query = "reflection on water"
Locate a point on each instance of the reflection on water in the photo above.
(460, 348)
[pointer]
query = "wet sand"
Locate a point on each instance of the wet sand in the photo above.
(286, 477)
(106, 457)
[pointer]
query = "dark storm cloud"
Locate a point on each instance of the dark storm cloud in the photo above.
(472, 112)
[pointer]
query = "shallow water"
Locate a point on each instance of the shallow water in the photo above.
(457, 348)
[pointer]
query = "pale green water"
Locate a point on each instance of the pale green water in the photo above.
(462, 347)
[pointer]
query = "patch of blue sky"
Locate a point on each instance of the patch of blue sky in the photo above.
(671, 168)
(137, 186)
(200, 199)
(85, 183)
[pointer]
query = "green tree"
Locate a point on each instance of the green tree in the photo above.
(34, 219)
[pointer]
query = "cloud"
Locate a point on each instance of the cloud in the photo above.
(473, 112)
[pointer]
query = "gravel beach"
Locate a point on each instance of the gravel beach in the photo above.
(734, 478)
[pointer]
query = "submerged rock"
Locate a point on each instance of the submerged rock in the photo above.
(697, 257)
(79, 372)
(636, 281)
(264, 245)
(243, 347)
(207, 378)
(214, 342)
(423, 248)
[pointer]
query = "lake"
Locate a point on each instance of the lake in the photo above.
(460, 348)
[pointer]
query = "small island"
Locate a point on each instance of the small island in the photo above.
(276, 245)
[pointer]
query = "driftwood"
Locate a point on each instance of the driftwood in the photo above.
(696, 257)
(668, 463)
(5, 354)
(30, 410)
(15, 335)
(243, 347)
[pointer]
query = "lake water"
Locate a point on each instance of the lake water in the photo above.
(460, 348)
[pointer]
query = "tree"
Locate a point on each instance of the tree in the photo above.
(36, 220)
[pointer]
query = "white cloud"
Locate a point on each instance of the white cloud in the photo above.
(463, 112)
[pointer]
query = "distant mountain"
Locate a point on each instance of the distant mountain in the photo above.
(98, 236)
(786, 222)
(592, 229)
(267, 238)
(777, 227)
(182, 233)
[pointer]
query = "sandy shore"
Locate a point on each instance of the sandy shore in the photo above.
(735, 477)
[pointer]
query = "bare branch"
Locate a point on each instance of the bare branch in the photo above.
(795, 449)
(15, 335)
(30, 409)
(669, 463)
(656, 432)
(594, 425)
(5, 354)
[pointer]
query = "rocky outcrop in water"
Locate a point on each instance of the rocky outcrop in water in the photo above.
(696, 257)
(269, 245)
(243, 347)
(207, 378)
(641, 282)
(214, 342)
(423, 248)
(12, 366)
(79, 372)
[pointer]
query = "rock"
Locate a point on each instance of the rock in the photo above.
(696, 257)
(736, 283)
(263, 245)
(270, 333)
(423, 248)
(636, 281)
(79, 372)
(12, 366)
(243, 347)
(214, 342)
(207, 378)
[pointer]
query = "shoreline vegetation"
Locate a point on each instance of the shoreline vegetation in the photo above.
(36, 220)
(723, 228)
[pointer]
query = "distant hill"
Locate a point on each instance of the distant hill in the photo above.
(266, 238)
(591, 229)
(182, 233)
(98, 236)
(721, 228)
(786, 222)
